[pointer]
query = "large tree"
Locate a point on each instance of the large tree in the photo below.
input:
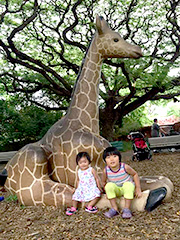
(42, 44)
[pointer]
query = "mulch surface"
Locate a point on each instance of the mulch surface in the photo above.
(163, 223)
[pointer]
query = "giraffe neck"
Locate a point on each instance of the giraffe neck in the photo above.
(84, 109)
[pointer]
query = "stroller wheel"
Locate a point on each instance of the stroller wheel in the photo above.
(150, 156)
(134, 158)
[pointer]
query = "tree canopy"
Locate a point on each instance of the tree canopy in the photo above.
(20, 127)
(43, 42)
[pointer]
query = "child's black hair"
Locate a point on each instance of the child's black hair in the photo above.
(111, 151)
(82, 154)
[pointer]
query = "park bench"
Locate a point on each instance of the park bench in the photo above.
(6, 156)
(165, 142)
(117, 144)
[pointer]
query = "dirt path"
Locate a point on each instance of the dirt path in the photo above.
(163, 223)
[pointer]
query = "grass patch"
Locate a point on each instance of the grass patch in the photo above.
(11, 198)
(126, 146)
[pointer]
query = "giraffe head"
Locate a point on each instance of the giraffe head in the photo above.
(111, 45)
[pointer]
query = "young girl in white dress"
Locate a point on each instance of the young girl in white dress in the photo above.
(88, 185)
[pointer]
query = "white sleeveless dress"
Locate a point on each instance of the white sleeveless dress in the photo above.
(87, 189)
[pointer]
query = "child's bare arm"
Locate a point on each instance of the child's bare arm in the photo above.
(104, 178)
(77, 182)
(135, 176)
(96, 179)
(76, 185)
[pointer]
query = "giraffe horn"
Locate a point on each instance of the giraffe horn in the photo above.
(101, 25)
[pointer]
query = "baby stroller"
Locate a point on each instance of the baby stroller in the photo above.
(140, 147)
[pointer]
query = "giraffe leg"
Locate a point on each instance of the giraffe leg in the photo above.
(158, 189)
(28, 178)
(46, 192)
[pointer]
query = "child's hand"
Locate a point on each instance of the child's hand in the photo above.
(101, 189)
(73, 191)
(138, 193)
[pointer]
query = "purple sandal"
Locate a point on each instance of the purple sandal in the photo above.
(126, 213)
(111, 213)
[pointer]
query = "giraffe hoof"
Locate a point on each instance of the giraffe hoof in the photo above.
(155, 198)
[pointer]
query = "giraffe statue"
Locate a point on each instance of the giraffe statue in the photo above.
(44, 173)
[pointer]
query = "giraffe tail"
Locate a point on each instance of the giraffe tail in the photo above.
(3, 177)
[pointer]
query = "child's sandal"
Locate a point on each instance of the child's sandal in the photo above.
(71, 211)
(111, 213)
(91, 209)
(126, 213)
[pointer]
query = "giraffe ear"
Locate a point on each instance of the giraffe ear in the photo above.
(101, 25)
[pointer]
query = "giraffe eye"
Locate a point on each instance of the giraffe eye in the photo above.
(116, 40)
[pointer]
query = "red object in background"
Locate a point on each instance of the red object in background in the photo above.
(168, 120)
(140, 143)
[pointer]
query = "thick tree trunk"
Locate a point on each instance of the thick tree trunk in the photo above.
(108, 119)
(107, 129)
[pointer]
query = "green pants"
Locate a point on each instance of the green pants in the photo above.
(113, 191)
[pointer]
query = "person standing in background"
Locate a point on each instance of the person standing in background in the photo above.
(155, 129)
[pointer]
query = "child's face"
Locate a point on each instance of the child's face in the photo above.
(83, 163)
(112, 161)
